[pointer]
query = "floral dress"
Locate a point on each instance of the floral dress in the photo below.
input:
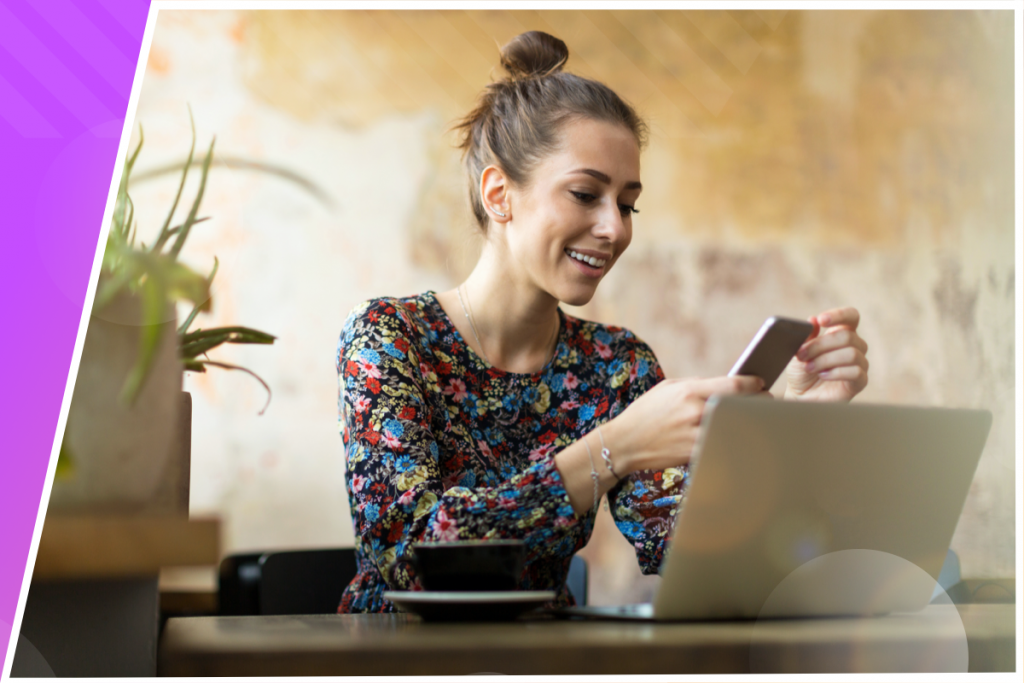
(441, 446)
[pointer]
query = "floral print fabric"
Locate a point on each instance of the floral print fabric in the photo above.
(441, 447)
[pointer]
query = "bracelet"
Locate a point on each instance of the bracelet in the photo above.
(593, 472)
(607, 455)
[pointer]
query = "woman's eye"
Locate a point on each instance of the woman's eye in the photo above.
(587, 198)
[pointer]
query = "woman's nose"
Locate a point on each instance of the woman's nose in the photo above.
(611, 225)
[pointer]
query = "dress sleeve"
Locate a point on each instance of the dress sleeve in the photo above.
(644, 504)
(393, 472)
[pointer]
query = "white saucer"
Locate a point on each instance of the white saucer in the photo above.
(469, 606)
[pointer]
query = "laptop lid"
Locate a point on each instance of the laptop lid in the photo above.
(817, 509)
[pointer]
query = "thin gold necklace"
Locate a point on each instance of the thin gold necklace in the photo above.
(472, 326)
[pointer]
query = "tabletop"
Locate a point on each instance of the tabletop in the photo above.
(975, 637)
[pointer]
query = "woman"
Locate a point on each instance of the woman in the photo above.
(486, 411)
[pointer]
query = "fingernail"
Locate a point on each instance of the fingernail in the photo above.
(824, 320)
(824, 373)
(810, 367)
(801, 354)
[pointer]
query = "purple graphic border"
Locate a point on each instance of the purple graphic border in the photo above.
(66, 70)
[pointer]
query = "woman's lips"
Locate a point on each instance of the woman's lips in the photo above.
(586, 268)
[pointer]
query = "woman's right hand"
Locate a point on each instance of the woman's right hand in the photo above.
(659, 429)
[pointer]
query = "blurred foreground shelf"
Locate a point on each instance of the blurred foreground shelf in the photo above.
(94, 547)
(93, 607)
(188, 591)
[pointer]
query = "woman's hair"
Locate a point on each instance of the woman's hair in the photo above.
(517, 119)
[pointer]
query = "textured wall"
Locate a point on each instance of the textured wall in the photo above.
(798, 160)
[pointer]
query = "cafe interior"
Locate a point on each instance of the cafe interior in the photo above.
(798, 160)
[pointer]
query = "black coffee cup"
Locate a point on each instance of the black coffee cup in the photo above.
(470, 565)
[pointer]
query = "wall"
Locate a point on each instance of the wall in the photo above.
(798, 161)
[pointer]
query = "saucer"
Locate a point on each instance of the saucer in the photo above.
(469, 606)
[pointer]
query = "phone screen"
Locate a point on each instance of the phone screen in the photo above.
(771, 349)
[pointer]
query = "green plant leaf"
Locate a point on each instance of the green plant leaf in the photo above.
(165, 234)
(194, 365)
(200, 345)
(129, 234)
(65, 460)
(229, 366)
(120, 203)
(179, 240)
(160, 280)
(183, 328)
(195, 344)
(183, 283)
(242, 164)
(153, 302)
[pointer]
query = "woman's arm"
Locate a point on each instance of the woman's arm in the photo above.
(657, 431)
(395, 464)
(650, 444)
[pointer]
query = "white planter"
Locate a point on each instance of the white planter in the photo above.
(119, 453)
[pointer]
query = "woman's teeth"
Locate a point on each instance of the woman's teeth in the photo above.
(589, 260)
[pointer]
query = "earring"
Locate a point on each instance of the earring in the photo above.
(500, 213)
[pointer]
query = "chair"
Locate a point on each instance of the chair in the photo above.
(305, 581)
(238, 584)
(311, 581)
(285, 582)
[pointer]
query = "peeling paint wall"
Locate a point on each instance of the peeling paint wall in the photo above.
(798, 161)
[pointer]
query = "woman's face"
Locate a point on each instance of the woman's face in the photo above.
(571, 223)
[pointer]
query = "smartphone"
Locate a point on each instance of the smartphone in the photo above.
(771, 349)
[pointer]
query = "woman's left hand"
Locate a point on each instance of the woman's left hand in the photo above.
(832, 364)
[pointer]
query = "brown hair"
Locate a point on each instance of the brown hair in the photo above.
(517, 120)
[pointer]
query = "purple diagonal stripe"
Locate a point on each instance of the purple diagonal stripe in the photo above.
(52, 191)
(131, 15)
(30, 52)
(20, 113)
(87, 40)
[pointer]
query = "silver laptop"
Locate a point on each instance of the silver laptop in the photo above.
(814, 509)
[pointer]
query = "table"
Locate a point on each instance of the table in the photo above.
(403, 645)
(93, 606)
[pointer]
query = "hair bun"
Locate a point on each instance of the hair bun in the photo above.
(533, 54)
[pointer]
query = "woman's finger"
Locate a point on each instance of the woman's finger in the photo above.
(829, 341)
(740, 384)
(846, 356)
(854, 374)
(848, 316)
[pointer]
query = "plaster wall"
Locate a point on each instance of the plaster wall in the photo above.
(798, 161)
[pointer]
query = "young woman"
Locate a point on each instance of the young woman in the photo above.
(486, 412)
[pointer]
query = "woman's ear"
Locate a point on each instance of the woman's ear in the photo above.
(494, 190)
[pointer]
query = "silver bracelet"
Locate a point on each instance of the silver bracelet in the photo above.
(593, 472)
(607, 455)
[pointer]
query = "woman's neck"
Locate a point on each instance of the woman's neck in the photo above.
(516, 323)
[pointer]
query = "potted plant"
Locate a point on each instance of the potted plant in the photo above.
(124, 414)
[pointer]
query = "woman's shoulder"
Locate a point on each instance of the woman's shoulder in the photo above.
(609, 341)
(616, 354)
(389, 317)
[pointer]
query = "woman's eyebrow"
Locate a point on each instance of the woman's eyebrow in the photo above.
(634, 185)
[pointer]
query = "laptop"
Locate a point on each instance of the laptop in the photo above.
(800, 509)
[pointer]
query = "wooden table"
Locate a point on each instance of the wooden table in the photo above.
(400, 644)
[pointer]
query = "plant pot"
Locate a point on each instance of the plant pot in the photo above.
(119, 453)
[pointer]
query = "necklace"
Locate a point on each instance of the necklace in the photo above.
(472, 325)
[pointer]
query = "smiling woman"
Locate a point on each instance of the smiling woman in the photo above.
(477, 413)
